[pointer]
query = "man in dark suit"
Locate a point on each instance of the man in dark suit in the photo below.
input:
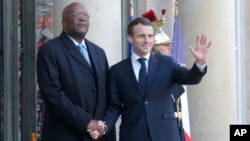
(73, 86)
(163, 45)
(149, 115)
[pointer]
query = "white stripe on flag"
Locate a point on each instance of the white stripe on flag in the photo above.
(185, 113)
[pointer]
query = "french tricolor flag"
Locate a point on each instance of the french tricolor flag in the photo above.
(177, 54)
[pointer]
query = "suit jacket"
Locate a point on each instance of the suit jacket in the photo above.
(73, 92)
(177, 91)
(150, 117)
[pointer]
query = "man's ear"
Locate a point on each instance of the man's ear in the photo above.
(63, 23)
(130, 38)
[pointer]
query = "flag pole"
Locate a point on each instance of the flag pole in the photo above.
(131, 11)
(177, 42)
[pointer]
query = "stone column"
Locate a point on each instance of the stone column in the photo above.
(212, 103)
(246, 69)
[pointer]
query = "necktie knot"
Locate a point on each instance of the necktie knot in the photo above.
(142, 61)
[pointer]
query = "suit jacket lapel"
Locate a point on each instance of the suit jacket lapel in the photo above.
(73, 51)
(93, 55)
(130, 71)
(152, 70)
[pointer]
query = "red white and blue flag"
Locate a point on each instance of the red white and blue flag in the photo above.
(177, 54)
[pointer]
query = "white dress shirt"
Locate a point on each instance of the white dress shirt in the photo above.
(137, 65)
(76, 43)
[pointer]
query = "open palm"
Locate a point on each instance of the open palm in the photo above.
(201, 50)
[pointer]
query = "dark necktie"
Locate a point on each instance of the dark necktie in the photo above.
(84, 52)
(142, 75)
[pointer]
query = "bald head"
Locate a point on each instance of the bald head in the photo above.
(75, 20)
(70, 8)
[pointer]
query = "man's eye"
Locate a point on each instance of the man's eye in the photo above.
(75, 14)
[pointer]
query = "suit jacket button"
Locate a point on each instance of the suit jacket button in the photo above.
(91, 73)
(94, 90)
(146, 102)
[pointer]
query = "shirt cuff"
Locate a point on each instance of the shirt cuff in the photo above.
(201, 67)
(105, 128)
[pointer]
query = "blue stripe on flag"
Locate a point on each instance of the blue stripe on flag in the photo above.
(129, 44)
(177, 52)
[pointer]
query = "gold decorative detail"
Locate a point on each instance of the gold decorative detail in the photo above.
(131, 8)
(158, 24)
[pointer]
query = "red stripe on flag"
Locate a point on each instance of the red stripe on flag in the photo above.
(187, 137)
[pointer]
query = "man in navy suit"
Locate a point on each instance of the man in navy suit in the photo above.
(73, 89)
(163, 45)
(149, 116)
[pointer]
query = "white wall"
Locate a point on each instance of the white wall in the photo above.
(212, 103)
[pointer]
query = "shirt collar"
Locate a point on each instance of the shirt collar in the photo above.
(76, 43)
(135, 57)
